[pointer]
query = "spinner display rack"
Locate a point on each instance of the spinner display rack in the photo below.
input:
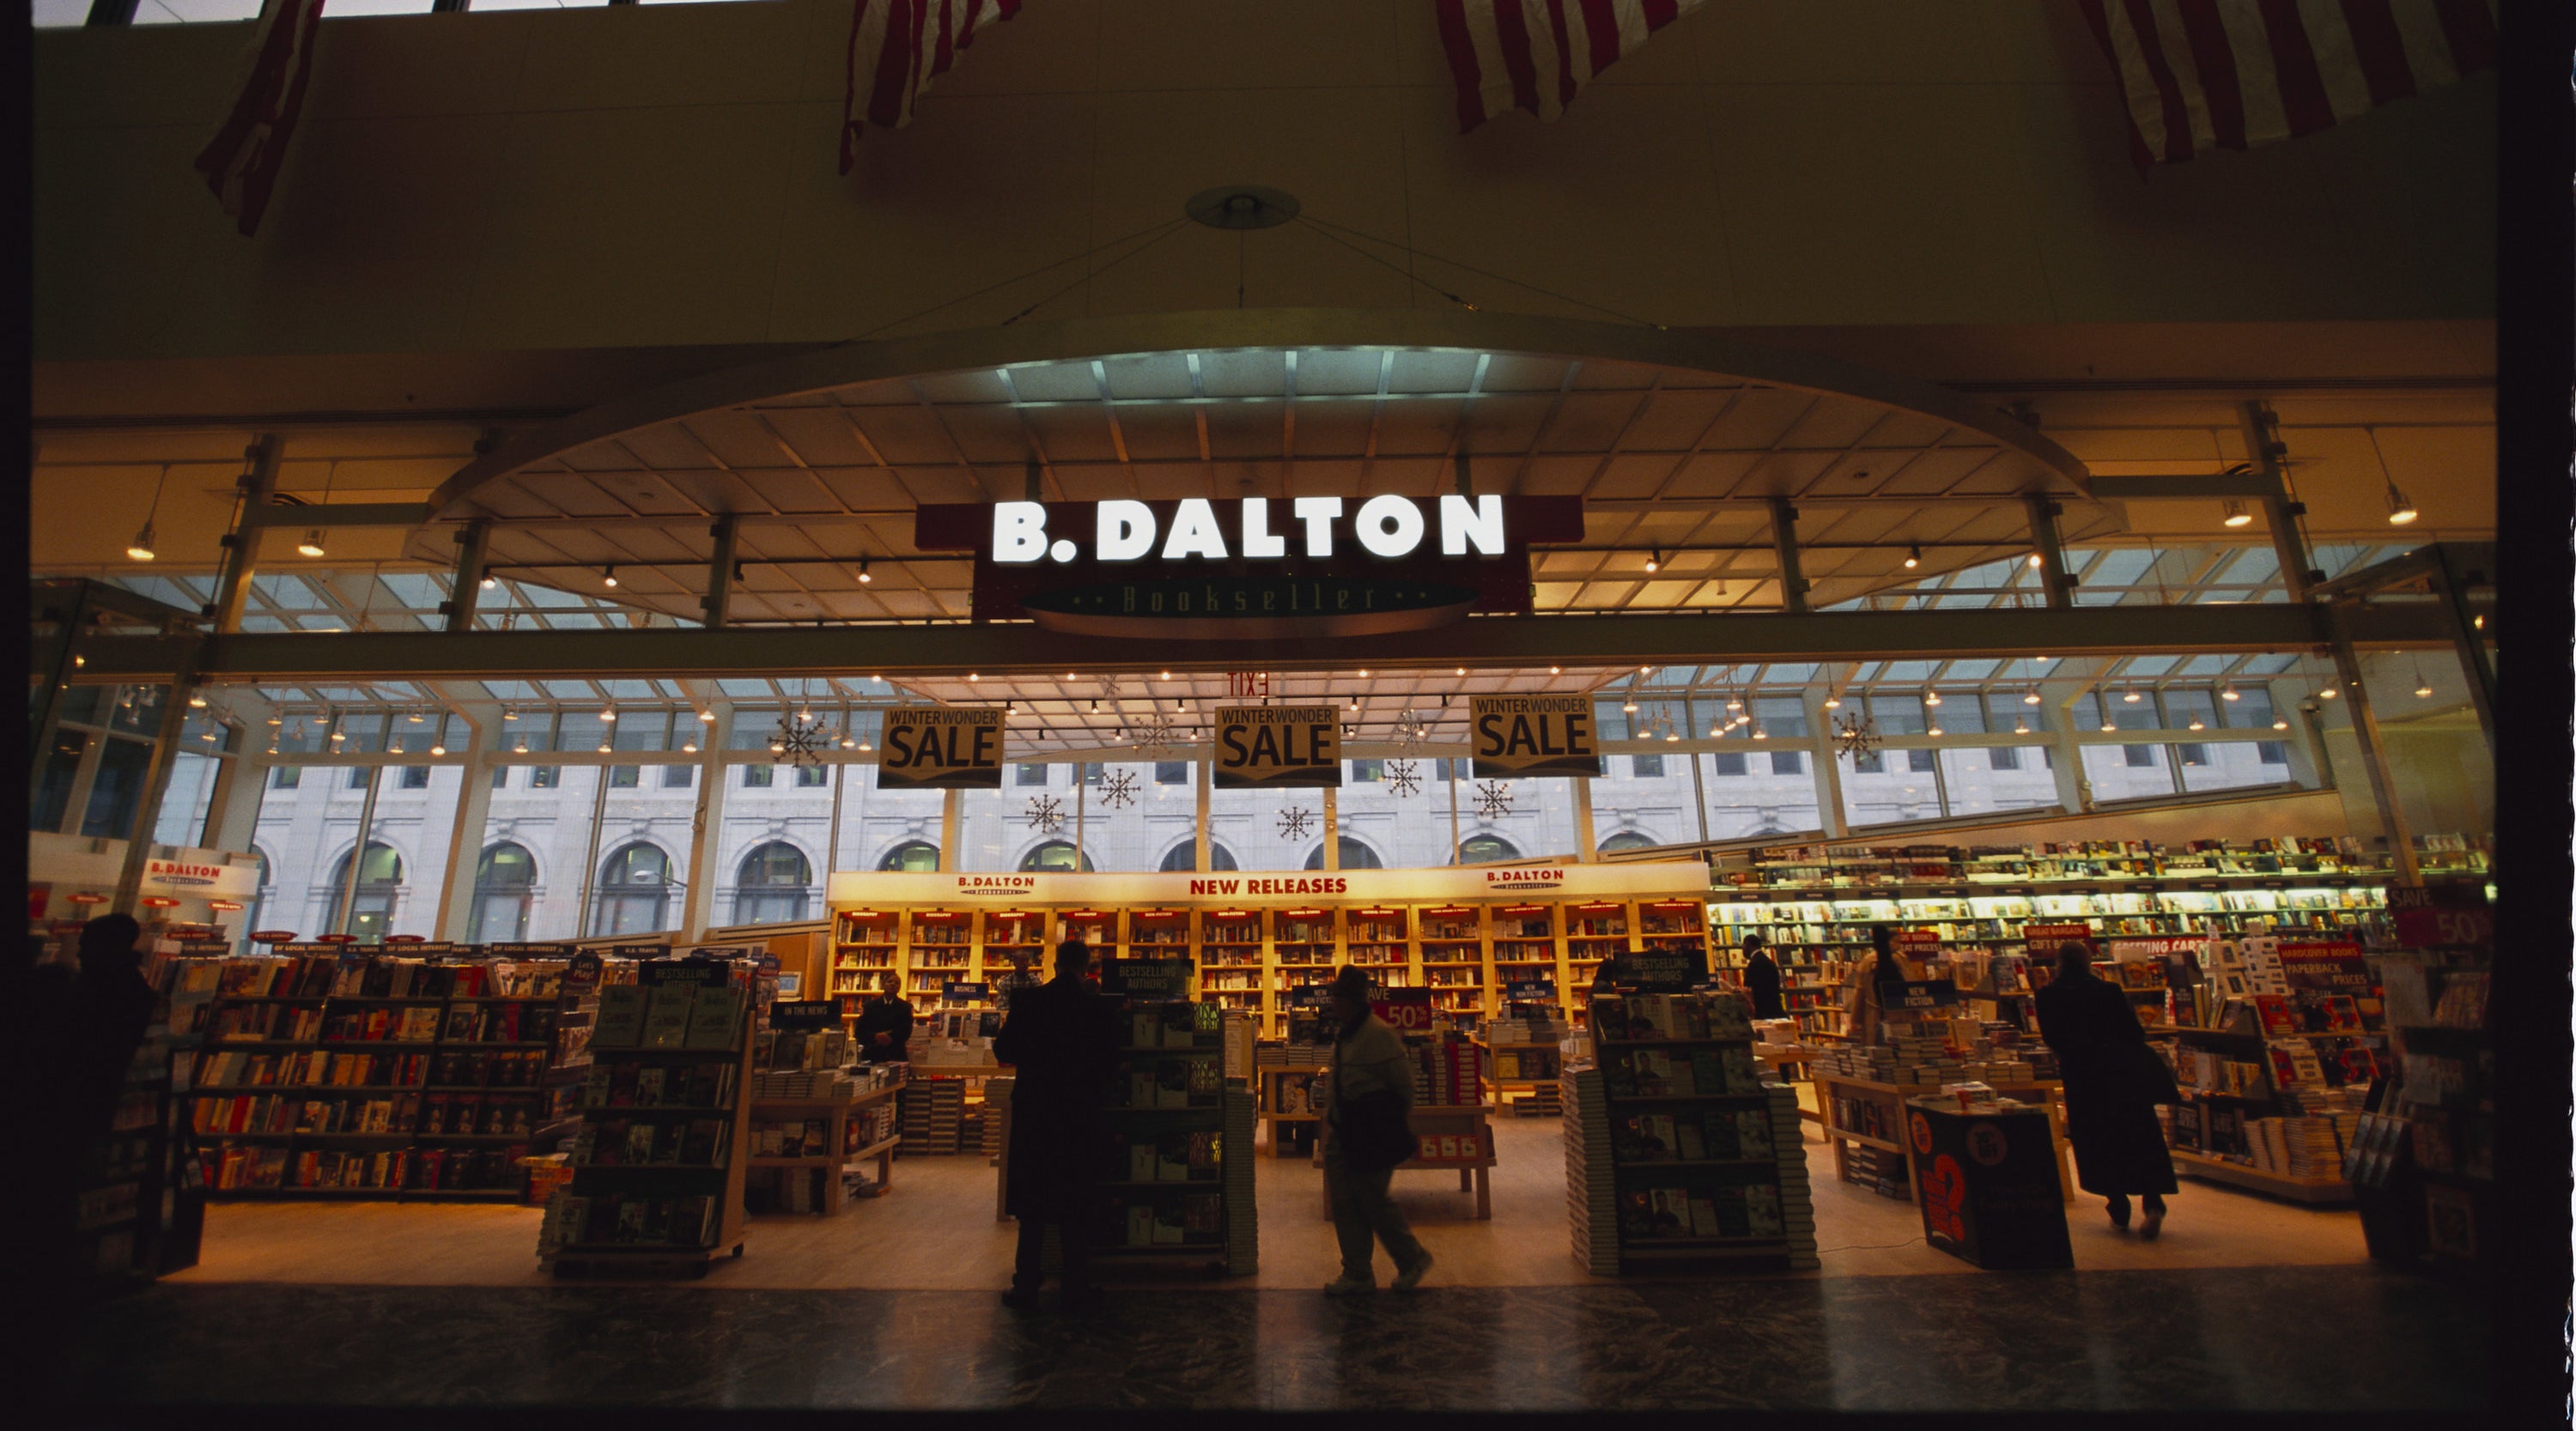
(659, 1166)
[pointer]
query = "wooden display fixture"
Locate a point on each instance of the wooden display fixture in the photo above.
(938, 950)
(1842, 1136)
(836, 1114)
(865, 946)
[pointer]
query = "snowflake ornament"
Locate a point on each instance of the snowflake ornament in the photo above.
(1154, 730)
(798, 742)
(1855, 736)
(1294, 824)
(1404, 778)
(1118, 789)
(1046, 814)
(1493, 800)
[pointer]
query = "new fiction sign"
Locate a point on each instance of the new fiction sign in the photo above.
(1256, 567)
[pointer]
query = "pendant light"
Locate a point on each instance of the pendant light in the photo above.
(311, 546)
(1913, 557)
(608, 576)
(864, 578)
(141, 550)
(2237, 516)
(2400, 511)
(1655, 562)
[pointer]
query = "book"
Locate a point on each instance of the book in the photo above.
(714, 1017)
(666, 1017)
(620, 1023)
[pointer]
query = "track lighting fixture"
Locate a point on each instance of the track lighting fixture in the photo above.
(491, 582)
(2236, 516)
(2034, 559)
(608, 576)
(1913, 557)
(311, 546)
(1655, 562)
(864, 578)
(141, 548)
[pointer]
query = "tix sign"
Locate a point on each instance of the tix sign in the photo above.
(1277, 747)
(2438, 928)
(1404, 1010)
(936, 748)
(1533, 735)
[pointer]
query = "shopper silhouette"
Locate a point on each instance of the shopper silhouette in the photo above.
(2113, 1084)
(1762, 979)
(1371, 1090)
(884, 1029)
(1874, 990)
(1061, 1041)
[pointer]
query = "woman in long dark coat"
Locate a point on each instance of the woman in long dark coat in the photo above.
(2113, 1084)
(1762, 979)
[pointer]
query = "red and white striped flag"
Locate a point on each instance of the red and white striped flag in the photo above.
(242, 162)
(1538, 54)
(2231, 73)
(899, 46)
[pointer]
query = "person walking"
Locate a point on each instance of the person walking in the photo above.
(1870, 991)
(1762, 979)
(884, 1029)
(1062, 1040)
(2113, 1084)
(1366, 1135)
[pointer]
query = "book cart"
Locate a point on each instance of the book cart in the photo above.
(2423, 1163)
(1675, 1149)
(325, 1074)
(659, 1163)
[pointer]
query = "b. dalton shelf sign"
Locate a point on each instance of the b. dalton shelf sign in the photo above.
(1254, 568)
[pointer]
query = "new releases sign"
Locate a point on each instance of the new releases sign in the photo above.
(1533, 735)
(1277, 747)
(936, 748)
(1253, 568)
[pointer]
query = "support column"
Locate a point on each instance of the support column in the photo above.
(465, 844)
(2055, 586)
(1081, 809)
(707, 824)
(1587, 846)
(232, 816)
(2264, 448)
(1699, 791)
(590, 860)
(1828, 773)
(1455, 854)
(241, 544)
(1784, 544)
(2374, 754)
(2466, 642)
(1201, 775)
(75, 621)
(156, 788)
(465, 587)
(719, 597)
(1332, 828)
(949, 809)
(358, 852)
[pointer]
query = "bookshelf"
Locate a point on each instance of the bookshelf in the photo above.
(1595, 931)
(381, 1076)
(2423, 1163)
(865, 943)
(1676, 1148)
(659, 1162)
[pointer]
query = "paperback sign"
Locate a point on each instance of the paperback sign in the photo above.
(1276, 747)
(1533, 735)
(940, 748)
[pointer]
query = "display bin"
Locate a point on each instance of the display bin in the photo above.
(1989, 1185)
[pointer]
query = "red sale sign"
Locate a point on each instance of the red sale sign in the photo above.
(1404, 1010)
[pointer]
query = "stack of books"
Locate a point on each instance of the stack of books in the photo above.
(1235, 1171)
(929, 1115)
(1590, 1190)
(1797, 1198)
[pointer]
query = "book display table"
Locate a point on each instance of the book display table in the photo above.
(1859, 1113)
(1452, 1137)
(1985, 1183)
(836, 1113)
(1285, 1100)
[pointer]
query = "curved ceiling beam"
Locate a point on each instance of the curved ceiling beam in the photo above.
(843, 365)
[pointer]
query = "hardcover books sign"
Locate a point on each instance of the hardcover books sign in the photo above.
(1533, 735)
(1277, 747)
(939, 748)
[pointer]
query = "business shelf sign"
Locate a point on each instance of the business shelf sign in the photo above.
(1253, 568)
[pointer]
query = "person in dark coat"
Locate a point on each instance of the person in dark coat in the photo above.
(1762, 979)
(884, 1029)
(2113, 1084)
(1062, 1040)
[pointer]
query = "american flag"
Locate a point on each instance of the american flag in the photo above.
(242, 161)
(1538, 54)
(2200, 74)
(897, 47)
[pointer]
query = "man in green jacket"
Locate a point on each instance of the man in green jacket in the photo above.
(1369, 1069)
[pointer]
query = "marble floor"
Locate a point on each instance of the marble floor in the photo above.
(2243, 1304)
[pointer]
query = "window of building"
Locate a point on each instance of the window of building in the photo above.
(2271, 752)
(679, 777)
(912, 857)
(358, 776)
(1029, 774)
(1626, 840)
(1729, 762)
(286, 777)
(1365, 771)
(1053, 855)
(544, 777)
(1171, 772)
(1356, 855)
(2192, 754)
(415, 777)
(1093, 772)
(1920, 762)
(1185, 856)
(258, 917)
(625, 777)
(1646, 767)
(1788, 762)
(1870, 764)
(810, 776)
(380, 877)
(504, 888)
(1485, 849)
(500, 777)
(757, 777)
(634, 891)
(2138, 757)
(2003, 757)
(770, 886)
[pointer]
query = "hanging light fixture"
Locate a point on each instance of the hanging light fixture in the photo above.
(603, 747)
(2230, 694)
(2196, 724)
(311, 546)
(1933, 730)
(864, 578)
(689, 746)
(1760, 734)
(275, 719)
(608, 714)
(2400, 511)
(438, 747)
(522, 747)
(1556, 670)
(706, 717)
(1630, 705)
(415, 718)
(1913, 557)
(141, 550)
(2030, 697)
(2236, 516)
(2280, 724)
(2329, 693)
(1931, 697)
(2034, 559)
(2423, 688)
(491, 583)
(197, 701)
(2020, 726)
(970, 675)
(608, 575)
(1833, 703)
(1655, 562)
(2130, 696)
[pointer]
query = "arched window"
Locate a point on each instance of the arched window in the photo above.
(1626, 840)
(1485, 849)
(1053, 855)
(771, 886)
(505, 880)
(1355, 856)
(380, 877)
(1185, 856)
(912, 857)
(634, 892)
